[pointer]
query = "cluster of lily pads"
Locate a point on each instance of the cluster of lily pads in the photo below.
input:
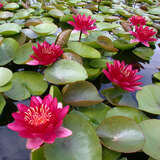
(61, 53)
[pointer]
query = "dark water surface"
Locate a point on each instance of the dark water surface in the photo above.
(12, 147)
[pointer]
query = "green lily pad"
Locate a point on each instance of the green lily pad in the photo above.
(95, 113)
(84, 50)
(11, 6)
(83, 144)
(143, 52)
(82, 11)
(108, 154)
(119, 97)
(55, 92)
(23, 54)
(65, 71)
(44, 28)
(121, 134)
(6, 87)
(29, 33)
(157, 75)
(9, 29)
(56, 13)
(2, 103)
(6, 15)
(155, 11)
(123, 44)
(23, 13)
(106, 43)
(151, 130)
(25, 84)
(148, 99)
(129, 112)
(8, 50)
(104, 26)
(81, 93)
(5, 75)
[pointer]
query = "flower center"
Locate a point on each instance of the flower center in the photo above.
(47, 51)
(37, 116)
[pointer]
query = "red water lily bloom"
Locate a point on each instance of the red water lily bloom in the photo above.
(137, 20)
(123, 76)
(41, 122)
(1, 5)
(83, 23)
(45, 54)
(143, 35)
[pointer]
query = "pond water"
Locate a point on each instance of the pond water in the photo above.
(12, 147)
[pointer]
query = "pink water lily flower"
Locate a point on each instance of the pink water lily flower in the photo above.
(143, 35)
(123, 76)
(41, 122)
(1, 5)
(45, 54)
(137, 20)
(83, 23)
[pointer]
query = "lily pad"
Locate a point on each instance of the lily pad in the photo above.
(83, 144)
(123, 44)
(151, 130)
(148, 99)
(2, 103)
(56, 13)
(6, 15)
(106, 43)
(119, 97)
(8, 50)
(8, 29)
(23, 54)
(95, 113)
(5, 75)
(81, 93)
(129, 112)
(38, 154)
(11, 6)
(157, 75)
(104, 26)
(143, 52)
(55, 92)
(83, 50)
(65, 71)
(44, 28)
(121, 134)
(25, 84)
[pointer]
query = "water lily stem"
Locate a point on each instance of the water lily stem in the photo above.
(80, 36)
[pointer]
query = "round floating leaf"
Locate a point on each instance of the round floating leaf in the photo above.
(65, 71)
(84, 50)
(151, 130)
(38, 154)
(63, 37)
(106, 26)
(2, 103)
(6, 87)
(124, 44)
(148, 99)
(117, 96)
(143, 52)
(8, 50)
(121, 134)
(23, 54)
(82, 11)
(5, 15)
(25, 84)
(23, 13)
(83, 144)
(157, 75)
(11, 6)
(106, 43)
(109, 154)
(56, 13)
(155, 11)
(55, 92)
(95, 113)
(5, 75)
(29, 33)
(93, 72)
(8, 29)
(81, 93)
(129, 112)
(44, 28)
